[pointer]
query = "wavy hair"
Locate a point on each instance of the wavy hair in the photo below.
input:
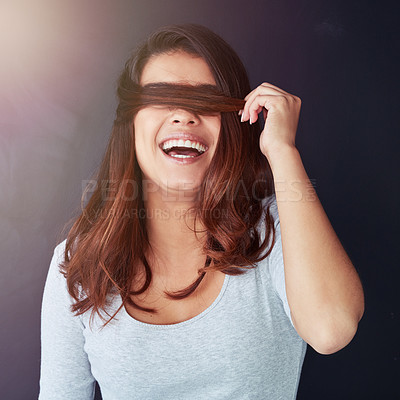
(105, 250)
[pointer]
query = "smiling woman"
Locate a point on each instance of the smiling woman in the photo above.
(180, 244)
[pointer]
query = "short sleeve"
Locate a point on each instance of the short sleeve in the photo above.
(275, 259)
(65, 369)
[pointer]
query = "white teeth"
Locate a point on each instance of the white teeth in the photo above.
(181, 156)
(183, 143)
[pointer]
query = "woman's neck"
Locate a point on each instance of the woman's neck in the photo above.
(177, 251)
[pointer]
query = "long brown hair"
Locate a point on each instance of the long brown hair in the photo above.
(108, 241)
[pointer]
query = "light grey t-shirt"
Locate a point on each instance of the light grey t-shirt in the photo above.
(243, 346)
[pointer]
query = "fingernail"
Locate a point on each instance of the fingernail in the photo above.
(241, 119)
(250, 120)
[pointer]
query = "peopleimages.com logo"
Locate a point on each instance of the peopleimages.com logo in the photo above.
(129, 190)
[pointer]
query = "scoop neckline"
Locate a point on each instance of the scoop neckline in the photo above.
(178, 325)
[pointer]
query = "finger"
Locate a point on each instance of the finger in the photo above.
(251, 93)
(259, 91)
(264, 102)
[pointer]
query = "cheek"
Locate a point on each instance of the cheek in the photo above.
(145, 130)
(215, 128)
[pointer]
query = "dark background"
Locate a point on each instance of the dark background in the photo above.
(59, 64)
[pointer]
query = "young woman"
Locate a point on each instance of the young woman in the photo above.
(203, 262)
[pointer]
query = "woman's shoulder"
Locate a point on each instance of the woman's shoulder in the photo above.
(59, 249)
(55, 289)
(57, 258)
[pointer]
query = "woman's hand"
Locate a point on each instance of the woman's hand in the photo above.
(281, 112)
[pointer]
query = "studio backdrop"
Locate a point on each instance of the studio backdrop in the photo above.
(58, 70)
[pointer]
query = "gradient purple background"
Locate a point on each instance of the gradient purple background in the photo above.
(59, 64)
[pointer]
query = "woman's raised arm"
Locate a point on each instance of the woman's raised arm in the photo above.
(324, 291)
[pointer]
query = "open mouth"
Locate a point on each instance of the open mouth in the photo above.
(183, 148)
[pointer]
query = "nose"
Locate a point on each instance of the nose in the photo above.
(183, 117)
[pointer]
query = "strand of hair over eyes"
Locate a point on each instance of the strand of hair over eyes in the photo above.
(199, 99)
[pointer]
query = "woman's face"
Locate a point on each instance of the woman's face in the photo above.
(174, 147)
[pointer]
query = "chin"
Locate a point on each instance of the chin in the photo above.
(182, 190)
